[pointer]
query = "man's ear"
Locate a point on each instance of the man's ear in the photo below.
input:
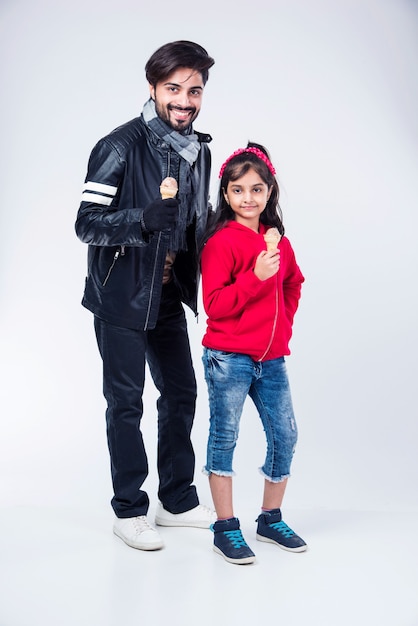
(152, 91)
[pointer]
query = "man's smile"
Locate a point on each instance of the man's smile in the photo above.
(180, 113)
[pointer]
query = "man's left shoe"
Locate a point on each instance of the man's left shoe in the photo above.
(199, 517)
(272, 529)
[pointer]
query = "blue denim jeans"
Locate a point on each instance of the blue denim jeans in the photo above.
(230, 378)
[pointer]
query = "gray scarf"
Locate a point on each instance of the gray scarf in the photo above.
(187, 147)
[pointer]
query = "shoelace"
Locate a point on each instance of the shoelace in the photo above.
(236, 538)
(204, 508)
(141, 524)
(282, 528)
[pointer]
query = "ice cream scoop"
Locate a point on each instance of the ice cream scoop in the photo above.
(272, 238)
(168, 188)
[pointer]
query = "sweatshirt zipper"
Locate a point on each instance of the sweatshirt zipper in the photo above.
(276, 315)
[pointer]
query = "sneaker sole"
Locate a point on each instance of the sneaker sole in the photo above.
(268, 540)
(245, 561)
(174, 523)
(157, 545)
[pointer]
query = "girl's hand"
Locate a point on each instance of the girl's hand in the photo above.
(267, 264)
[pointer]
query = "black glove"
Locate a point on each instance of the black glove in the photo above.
(160, 214)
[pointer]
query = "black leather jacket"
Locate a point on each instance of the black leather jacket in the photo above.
(125, 265)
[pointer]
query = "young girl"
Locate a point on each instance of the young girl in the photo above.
(250, 295)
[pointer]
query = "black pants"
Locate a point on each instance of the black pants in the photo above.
(167, 351)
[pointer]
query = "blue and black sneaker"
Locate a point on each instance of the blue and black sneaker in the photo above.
(272, 529)
(229, 542)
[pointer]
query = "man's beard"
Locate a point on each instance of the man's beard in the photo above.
(179, 126)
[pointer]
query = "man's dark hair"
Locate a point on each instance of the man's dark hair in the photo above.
(174, 55)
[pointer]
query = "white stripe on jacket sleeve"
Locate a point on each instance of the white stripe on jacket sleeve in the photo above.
(109, 190)
(96, 198)
(102, 194)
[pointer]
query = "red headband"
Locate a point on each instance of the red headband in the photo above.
(258, 153)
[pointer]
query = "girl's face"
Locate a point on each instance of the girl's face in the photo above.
(247, 197)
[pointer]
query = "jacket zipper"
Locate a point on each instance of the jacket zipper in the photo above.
(156, 256)
(152, 282)
(276, 315)
(121, 252)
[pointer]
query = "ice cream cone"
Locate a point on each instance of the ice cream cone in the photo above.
(168, 188)
(272, 238)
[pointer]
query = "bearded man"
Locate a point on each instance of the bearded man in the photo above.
(142, 267)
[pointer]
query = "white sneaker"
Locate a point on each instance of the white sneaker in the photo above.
(137, 533)
(199, 517)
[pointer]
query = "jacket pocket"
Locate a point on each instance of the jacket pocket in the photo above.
(119, 251)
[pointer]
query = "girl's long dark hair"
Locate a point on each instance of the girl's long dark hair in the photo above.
(235, 168)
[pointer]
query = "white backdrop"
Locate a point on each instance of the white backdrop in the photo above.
(331, 89)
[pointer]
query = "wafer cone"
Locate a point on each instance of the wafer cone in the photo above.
(168, 188)
(272, 238)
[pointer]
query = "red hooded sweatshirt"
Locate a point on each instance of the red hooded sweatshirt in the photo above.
(245, 314)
